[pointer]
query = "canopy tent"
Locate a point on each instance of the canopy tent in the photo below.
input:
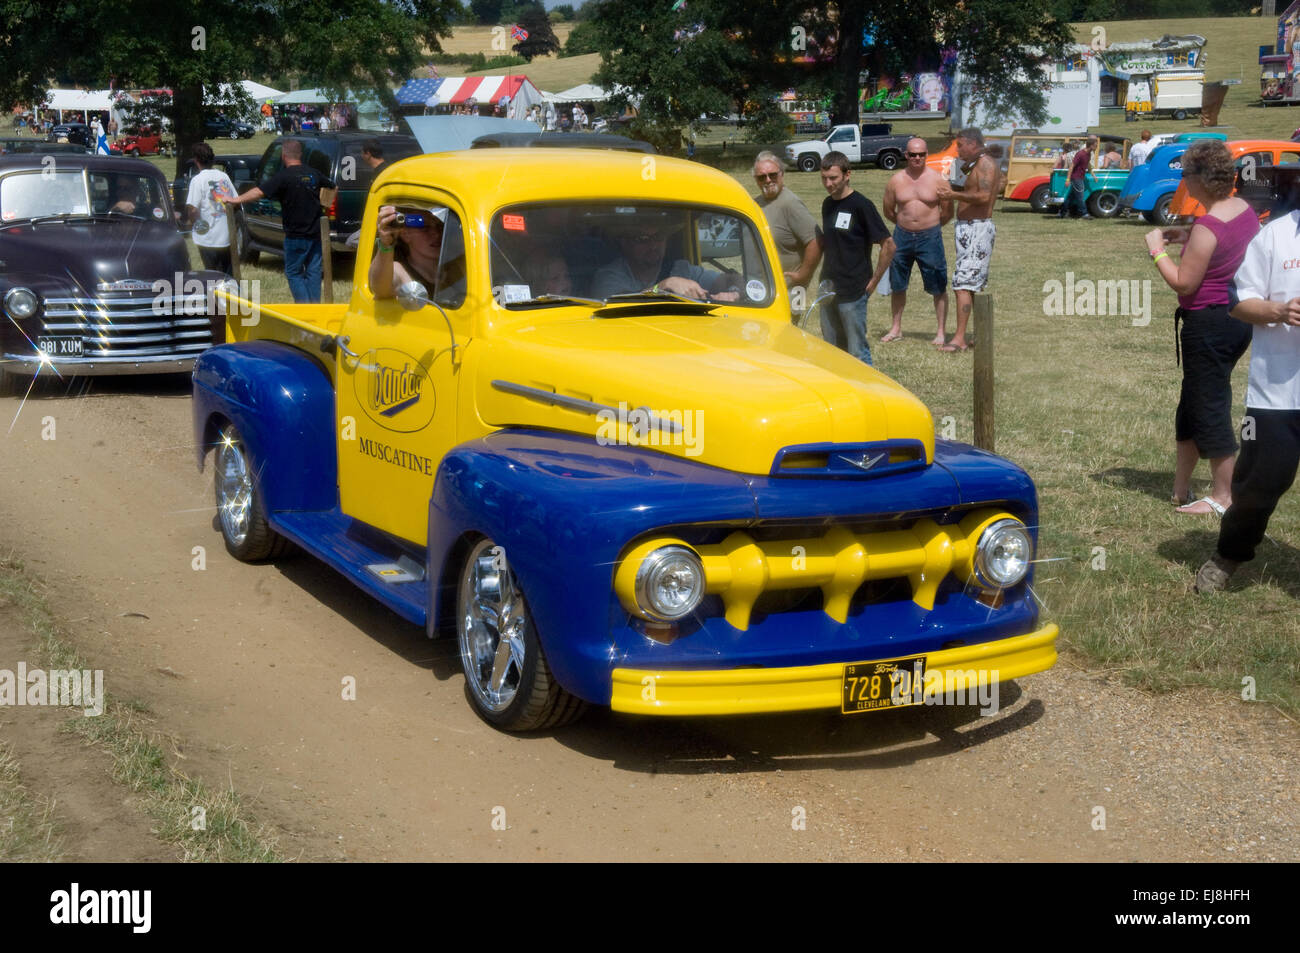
(582, 93)
(85, 102)
(458, 90)
(256, 91)
(97, 100)
(363, 100)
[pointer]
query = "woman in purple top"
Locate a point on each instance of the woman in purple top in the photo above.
(1212, 341)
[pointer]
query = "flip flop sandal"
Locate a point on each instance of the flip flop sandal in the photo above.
(1212, 503)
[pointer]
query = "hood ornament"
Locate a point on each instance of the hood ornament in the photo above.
(864, 461)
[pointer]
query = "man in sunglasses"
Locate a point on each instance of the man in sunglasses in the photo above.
(913, 204)
(792, 225)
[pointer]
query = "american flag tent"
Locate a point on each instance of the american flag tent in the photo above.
(456, 90)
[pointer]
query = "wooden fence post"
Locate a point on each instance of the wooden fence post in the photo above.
(233, 225)
(326, 261)
(983, 315)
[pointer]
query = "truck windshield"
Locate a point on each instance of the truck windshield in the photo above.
(600, 250)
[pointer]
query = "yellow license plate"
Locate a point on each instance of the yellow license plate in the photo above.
(874, 686)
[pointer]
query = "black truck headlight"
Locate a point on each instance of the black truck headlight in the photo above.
(1002, 554)
(21, 303)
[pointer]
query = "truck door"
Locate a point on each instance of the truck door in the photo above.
(845, 139)
(396, 399)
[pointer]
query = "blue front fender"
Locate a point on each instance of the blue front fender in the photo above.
(282, 402)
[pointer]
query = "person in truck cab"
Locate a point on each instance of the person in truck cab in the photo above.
(641, 267)
(408, 251)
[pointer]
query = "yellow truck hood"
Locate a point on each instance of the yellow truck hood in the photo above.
(716, 388)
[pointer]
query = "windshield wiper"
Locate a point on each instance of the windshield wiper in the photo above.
(658, 296)
(560, 299)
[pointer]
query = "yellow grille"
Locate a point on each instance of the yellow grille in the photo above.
(740, 568)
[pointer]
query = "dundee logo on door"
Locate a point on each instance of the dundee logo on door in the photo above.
(394, 390)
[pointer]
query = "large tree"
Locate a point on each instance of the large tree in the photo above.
(186, 45)
(541, 38)
(713, 56)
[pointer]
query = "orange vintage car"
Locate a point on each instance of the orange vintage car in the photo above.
(1259, 153)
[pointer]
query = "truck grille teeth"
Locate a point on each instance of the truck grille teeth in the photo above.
(130, 328)
(740, 569)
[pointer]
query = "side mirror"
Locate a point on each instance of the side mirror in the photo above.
(413, 296)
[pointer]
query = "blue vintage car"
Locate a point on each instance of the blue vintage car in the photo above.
(1151, 186)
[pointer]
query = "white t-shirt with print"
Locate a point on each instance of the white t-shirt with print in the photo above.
(210, 229)
(1271, 272)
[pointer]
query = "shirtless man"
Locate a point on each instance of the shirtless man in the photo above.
(973, 185)
(912, 202)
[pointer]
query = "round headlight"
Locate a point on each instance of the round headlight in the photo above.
(670, 583)
(21, 302)
(1003, 554)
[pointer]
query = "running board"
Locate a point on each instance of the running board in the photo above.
(390, 570)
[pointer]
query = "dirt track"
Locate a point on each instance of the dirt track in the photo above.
(245, 663)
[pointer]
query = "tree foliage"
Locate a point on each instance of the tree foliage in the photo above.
(717, 56)
(186, 45)
(541, 38)
(583, 38)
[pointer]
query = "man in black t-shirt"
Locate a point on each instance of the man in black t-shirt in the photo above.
(297, 188)
(850, 226)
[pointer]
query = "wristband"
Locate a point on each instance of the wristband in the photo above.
(1155, 259)
(386, 249)
(655, 289)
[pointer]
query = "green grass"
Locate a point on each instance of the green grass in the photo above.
(140, 762)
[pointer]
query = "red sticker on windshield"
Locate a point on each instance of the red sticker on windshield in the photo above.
(513, 223)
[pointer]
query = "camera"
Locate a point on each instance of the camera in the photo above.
(411, 220)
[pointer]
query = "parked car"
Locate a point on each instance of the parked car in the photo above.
(1102, 187)
(144, 143)
(240, 168)
(83, 244)
(19, 145)
(664, 505)
(75, 132)
(223, 128)
(1250, 155)
(1151, 186)
(872, 142)
(590, 140)
(334, 154)
(1032, 177)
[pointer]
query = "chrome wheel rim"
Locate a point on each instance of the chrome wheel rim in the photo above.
(234, 488)
(492, 626)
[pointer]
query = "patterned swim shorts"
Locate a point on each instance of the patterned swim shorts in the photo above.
(974, 250)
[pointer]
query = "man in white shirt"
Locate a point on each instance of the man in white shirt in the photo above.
(1138, 153)
(1266, 293)
(205, 207)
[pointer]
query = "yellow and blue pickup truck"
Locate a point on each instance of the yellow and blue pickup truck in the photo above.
(591, 443)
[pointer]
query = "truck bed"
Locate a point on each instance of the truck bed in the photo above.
(302, 325)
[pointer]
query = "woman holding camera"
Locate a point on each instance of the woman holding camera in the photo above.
(410, 242)
(1211, 341)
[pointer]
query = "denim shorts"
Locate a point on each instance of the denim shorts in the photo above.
(926, 249)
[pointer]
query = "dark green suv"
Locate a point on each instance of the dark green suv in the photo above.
(334, 154)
